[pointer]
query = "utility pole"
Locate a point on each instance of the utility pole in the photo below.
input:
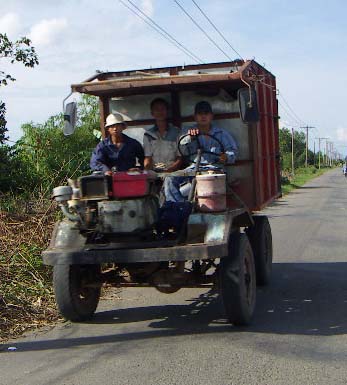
(292, 151)
(327, 152)
(330, 153)
(307, 128)
(319, 139)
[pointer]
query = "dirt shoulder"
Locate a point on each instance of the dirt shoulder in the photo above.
(26, 296)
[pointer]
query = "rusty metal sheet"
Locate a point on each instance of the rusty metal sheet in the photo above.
(175, 70)
(112, 86)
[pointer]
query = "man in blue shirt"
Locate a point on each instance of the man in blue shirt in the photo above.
(117, 150)
(226, 155)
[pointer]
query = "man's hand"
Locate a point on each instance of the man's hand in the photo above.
(170, 169)
(108, 173)
(193, 131)
(223, 157)
(135, 169)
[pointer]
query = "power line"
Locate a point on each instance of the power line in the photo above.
(298, 126)
(216, 29)
(290, 108)
(162, 31)
(149, 21)
(203, 31)
(290, 112)
(290, 115)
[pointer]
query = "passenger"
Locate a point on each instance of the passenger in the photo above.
(160, 141)
(117, 150)
(203, 116)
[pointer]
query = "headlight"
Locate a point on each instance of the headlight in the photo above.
(62, 193)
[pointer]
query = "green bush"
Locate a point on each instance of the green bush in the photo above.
(44, 157)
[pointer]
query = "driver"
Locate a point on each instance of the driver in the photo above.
(203, 116)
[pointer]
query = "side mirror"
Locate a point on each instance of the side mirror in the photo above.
(70, 116)
(248, 105)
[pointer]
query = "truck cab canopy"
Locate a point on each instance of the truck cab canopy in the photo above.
(256, 174)
(154, 80)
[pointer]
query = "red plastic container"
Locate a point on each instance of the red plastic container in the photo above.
(128, 184)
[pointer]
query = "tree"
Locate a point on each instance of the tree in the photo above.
(3, 123)
(19, 51)
(47, 158)
(285, 141)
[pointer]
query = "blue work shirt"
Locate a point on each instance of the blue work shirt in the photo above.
(209, 144)
(106, 155)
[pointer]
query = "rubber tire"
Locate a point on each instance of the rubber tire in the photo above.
(238, 304)
(261, 240)
(74, 302)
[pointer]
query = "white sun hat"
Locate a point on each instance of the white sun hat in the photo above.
(115, 118)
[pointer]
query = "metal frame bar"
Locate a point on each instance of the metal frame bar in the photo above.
(99, 255)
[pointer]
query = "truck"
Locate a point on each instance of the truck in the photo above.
(109, 234)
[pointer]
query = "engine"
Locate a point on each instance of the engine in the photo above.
(122, 203)
(127, 216)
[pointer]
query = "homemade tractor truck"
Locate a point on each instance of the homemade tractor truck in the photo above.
(115, 232)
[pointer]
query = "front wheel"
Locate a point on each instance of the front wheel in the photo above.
(261, 240)
(77, 290)
(237, 280)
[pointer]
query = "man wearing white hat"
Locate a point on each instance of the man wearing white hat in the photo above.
(117, 150)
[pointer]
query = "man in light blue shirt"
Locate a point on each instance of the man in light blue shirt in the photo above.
(215, 153)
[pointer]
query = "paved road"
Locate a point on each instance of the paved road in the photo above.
(299, 335)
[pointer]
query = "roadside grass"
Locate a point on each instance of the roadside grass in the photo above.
(26, 295)
(302, 175)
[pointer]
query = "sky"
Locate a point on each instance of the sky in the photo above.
(303, 43)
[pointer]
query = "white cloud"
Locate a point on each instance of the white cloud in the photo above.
(147, 7)
(47, 31)
(9, 24)
(342, 134)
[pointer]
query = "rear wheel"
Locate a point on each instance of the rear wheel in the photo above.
(261, 240)
(77, 290)
(237, 280)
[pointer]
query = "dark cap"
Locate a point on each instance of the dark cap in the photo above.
(203, 106)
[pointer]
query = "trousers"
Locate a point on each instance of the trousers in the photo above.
(172, 186)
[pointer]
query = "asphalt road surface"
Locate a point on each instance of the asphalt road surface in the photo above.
(299, 334)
